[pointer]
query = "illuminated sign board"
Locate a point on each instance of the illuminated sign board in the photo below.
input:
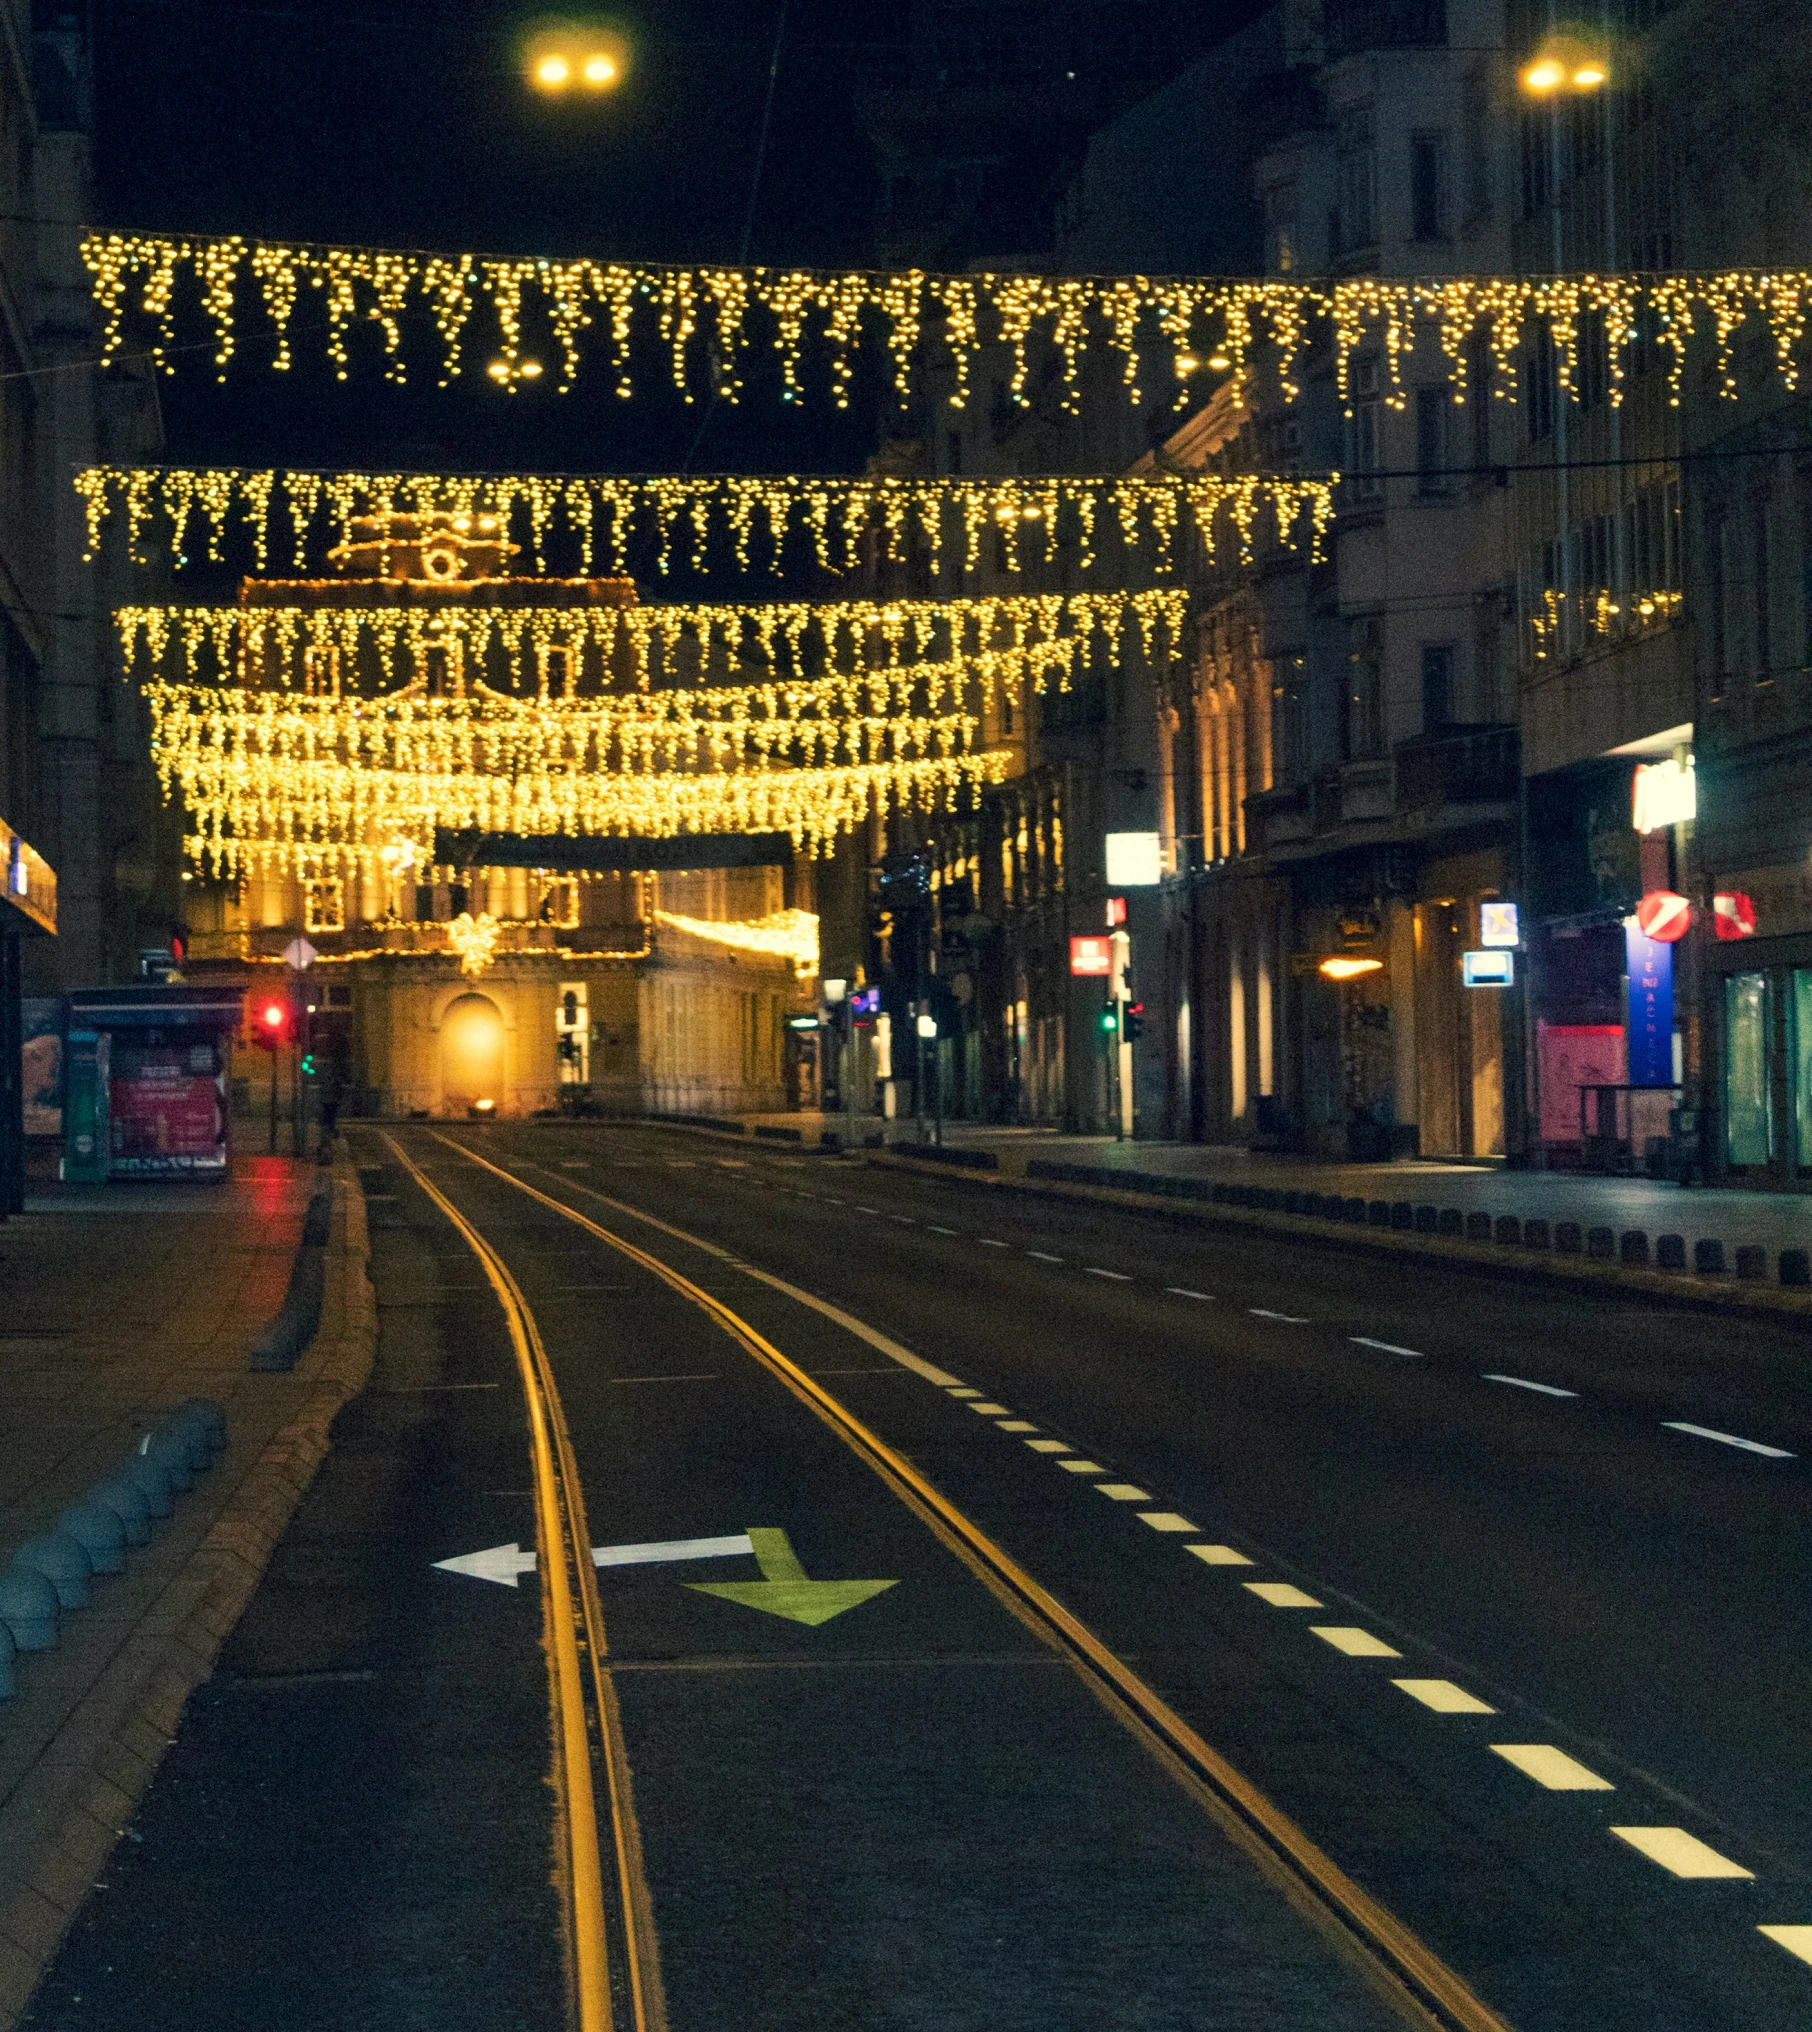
(1494, 968)
(1134, 861)
(1091, 955)
(1663, 794)
(1498, 925)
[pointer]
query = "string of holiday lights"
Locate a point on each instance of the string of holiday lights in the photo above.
(782, 934)
(1013, 639)
(681, 519)
(706, 319)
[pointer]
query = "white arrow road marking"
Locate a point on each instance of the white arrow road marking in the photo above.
(506, 1564)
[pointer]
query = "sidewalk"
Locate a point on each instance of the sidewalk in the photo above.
(1769, 1220)
(116, 1304)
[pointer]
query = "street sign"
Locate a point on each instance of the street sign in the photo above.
(1489, 969)
(1733, 915)
(1663, 916)
(783, 1589)
(299, 955)
(1498, 925)
(1091, 955)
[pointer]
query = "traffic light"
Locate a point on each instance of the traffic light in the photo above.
(272, 1026)
(1135, 1021)
(1109, 1021)
(308, 1065)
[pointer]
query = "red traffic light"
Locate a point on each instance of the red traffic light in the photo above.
(271, 1024)
(274, 1015)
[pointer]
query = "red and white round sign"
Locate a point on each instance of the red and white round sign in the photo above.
(1663, 916)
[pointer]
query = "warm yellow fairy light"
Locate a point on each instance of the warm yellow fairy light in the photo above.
(782, 934)
(684, 518)
(475, 941)
(704, 318)
(1544, 76)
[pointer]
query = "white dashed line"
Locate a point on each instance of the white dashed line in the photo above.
(1281, 1595)
(990, 1410)
(1360, 1340)
(1039, 1256)
(1285, 1318)
(905, 1220)
(1730, 1439)
(1551, 1767)
(1048, 1445)
(1218, 1555)
(1119, 1276)
(1685, 1855)
(1795, 1939)
(1124, 1492)
(1443, 1696)
(1083, 1467)
(861, 1209)
(988, 1242)
(1523, 1383)
(831, 1199)
(1355, 1643)
(1183, 1291)
(1014, 1425)
(1166, 1520)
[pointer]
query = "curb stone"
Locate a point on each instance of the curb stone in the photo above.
(1495, 1259)
(117, 1734)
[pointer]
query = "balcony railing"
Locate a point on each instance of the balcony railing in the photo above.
(1461, 765)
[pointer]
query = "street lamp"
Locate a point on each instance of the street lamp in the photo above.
(565, 56)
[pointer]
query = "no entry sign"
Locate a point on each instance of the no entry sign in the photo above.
(1663, 916)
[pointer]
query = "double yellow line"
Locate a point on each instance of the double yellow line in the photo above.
(1401, 1968)
(575, 1629)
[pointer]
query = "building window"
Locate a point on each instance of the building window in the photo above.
(1761, 551)
(1748, 1107)
(321, 673)
(1428, 186)
(324, 905)
(441, 672)
(1432, 407)
(1437, 686)
(558, 668)
(1538, 386)
(1362, 434)
(1290, 708)
(1362, 703)
(1356, 222)
(1475, 132)
(560, 905)
(1717, 595)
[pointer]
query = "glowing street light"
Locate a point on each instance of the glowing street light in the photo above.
(1565, 65)
(572, 54)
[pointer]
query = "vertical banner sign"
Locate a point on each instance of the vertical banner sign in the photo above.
(1651, 1008)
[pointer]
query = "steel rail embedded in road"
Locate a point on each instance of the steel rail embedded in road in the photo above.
(571, 1606)
(1409, 1974)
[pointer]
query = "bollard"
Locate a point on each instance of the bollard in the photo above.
(1751, 1260)
(1507, 1228)
(1567, 1239)
(1601, 1243)
(1402, 1214)
(208, 1414)
(28, 1608)
(1352, 1210)
(170, 1450)
(1796, 1266)
(7, 1689)
(1451, 1222)
(100, 1532)
(1478, 1227)
(194, 1438)
(1708, 1258)
(127, 1502)
(1428, 1220)
(152, 1480)
(1535, 1235)
(1377, 1212)
(62, 1561)
(1632, 1248)
(1670, 1252)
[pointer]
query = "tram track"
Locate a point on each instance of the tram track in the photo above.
(1408, 1975)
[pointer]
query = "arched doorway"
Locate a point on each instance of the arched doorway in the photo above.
(471, 1054)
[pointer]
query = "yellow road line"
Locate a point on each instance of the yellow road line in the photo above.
(1424, 1990)
(560, 1527)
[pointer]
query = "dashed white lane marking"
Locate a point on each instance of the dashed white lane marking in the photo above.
(575, 1164)
(1360, 1340)
(1523, 1383)
(831, 1199)
(1082, 1467)
(1119, 1276)
(1551, 1767)
(1682, 1853)
(1286, 1318)
(1443, 1696)
(1183, 1291)
(1048, 1445)
(1354, 1642)
(1166, 1520)
(1281, 1595)
(933, 1228)
(1039, 1256)
(988, 1242)
(861, 1209)
(990, 1410)
(1729, 1439)
(962, 1390)
(1014, 1425)
(905, 1220)
(1795, 1939)
(1124, 1492)
(1218, 1555)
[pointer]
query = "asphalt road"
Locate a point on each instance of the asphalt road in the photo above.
(1276, 1479)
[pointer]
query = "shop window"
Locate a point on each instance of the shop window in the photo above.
(1802, 1067)
(1437, 686)
(1748, 1114)
(324, 905)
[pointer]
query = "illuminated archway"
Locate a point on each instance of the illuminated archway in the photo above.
(471, 1056)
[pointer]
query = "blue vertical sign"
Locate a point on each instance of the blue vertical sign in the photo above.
(1651, 1008)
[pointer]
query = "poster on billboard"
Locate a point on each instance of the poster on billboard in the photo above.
(1571, 1056)
(169, 1109)
(43, 1019)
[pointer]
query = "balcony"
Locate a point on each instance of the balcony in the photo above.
(1460, 765)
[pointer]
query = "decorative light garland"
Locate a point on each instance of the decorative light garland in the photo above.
(679, 516)
(475, 941)
(703, 316)
(782, 934)
(1010, 638)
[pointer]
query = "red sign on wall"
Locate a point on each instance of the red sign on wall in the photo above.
(1090, 955)
(1733, 915)
(1663, 916)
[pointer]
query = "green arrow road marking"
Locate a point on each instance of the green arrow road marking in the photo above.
(783, 1589)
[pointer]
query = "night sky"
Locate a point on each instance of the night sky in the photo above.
(408, 123)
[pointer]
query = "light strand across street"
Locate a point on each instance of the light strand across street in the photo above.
(704, 320)
(1029, 517)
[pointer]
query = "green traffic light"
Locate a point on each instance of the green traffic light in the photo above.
(308, 1065)
(1108, 1020)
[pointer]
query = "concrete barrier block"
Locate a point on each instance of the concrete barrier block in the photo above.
(126, 1500)
(1478, 1227)
(1601, 1243)
(1708, 1257)
(63, 1562)
(1632, 1248)
(100, 1532)
(1450, 1221)
(1536, 1235)
(1796, 1266)
(1402, 1214)
(28, 1608)
(1507, 1228)
(1377, 1212)
(1352, 1210)
(1670, 1252)
(151, 1478)
(1568, 1240)
(1427, 1220)
(1751, 1260)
